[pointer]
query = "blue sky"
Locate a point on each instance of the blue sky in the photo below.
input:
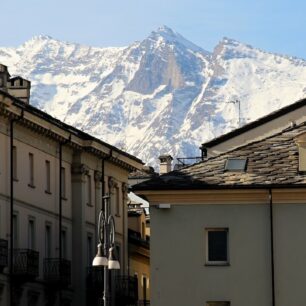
(275, 26)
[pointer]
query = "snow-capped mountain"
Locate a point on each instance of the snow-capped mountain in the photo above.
(161, 95)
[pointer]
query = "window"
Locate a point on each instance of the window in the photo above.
(48, 241)
(31, 170)
(31, 234)
(143, 230)
(144, 287)
(15, 163)
(217, 246)
(63, 182)
(89, 190)
(218, 304)
(48, 177)
(235, 164)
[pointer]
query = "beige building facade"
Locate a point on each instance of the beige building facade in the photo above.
(235, 223)
(52, 179)
(139, 250)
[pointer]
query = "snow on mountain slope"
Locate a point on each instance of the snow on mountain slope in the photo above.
(161, 95)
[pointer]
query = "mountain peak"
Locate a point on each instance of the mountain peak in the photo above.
(41, 37)
(169, 36)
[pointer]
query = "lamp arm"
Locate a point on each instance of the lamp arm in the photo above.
(101, 226)
(111, 223)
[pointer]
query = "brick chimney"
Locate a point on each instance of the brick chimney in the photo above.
(165, 163)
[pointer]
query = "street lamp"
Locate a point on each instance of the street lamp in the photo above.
(106, 254)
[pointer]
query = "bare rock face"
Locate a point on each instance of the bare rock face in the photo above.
(161, 95)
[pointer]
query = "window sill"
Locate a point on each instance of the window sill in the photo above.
(217, 264)
(31, 186)
(89, 205)
(15, 179)
(64, 198)
(48, 192)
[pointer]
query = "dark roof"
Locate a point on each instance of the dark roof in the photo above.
(272, 162)
(256, 123)
(68, 128)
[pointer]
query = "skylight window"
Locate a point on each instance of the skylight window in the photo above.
(235, 164)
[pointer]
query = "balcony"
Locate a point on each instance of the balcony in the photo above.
(57, 272)
(3, 254)
(135, 238)
(123, 288)
(143, 303)
(126, 290)
(95, 277)
(25, 264)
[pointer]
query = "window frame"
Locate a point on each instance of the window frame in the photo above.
(48, 176)
(15, 163)
(31, 170)
(216, 262)
(31, 233)
(63, 183)
(48, 240)
(229, 168)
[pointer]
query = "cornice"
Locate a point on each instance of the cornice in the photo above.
(237, 196)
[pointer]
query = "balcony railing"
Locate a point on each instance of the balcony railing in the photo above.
(143, 303)
(95, 277)
(126, 290)
(3, 254)
(57, 271)
(135, 237)
(25, 263)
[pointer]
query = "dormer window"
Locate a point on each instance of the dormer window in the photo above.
(235, 164)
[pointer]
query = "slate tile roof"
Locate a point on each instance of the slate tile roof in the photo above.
(272, 161)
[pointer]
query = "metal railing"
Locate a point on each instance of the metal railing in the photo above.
(95, 277)
(25, 263)
(143, 303)
(3, 254)
(135, 237)
(126, 290)
(57, 272)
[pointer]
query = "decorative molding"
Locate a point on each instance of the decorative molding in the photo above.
(125, 189)
(80, 169)
(112, 183)
(98, 176)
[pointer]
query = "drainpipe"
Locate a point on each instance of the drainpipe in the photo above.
(272, 247)
(60, 202)
(12, 201)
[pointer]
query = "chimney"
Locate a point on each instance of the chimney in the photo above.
(165, 163)
(4, 76)
(19, 88)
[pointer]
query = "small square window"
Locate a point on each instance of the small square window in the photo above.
(217, 246)
(235, 164)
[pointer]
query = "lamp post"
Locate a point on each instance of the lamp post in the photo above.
(106, 255)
